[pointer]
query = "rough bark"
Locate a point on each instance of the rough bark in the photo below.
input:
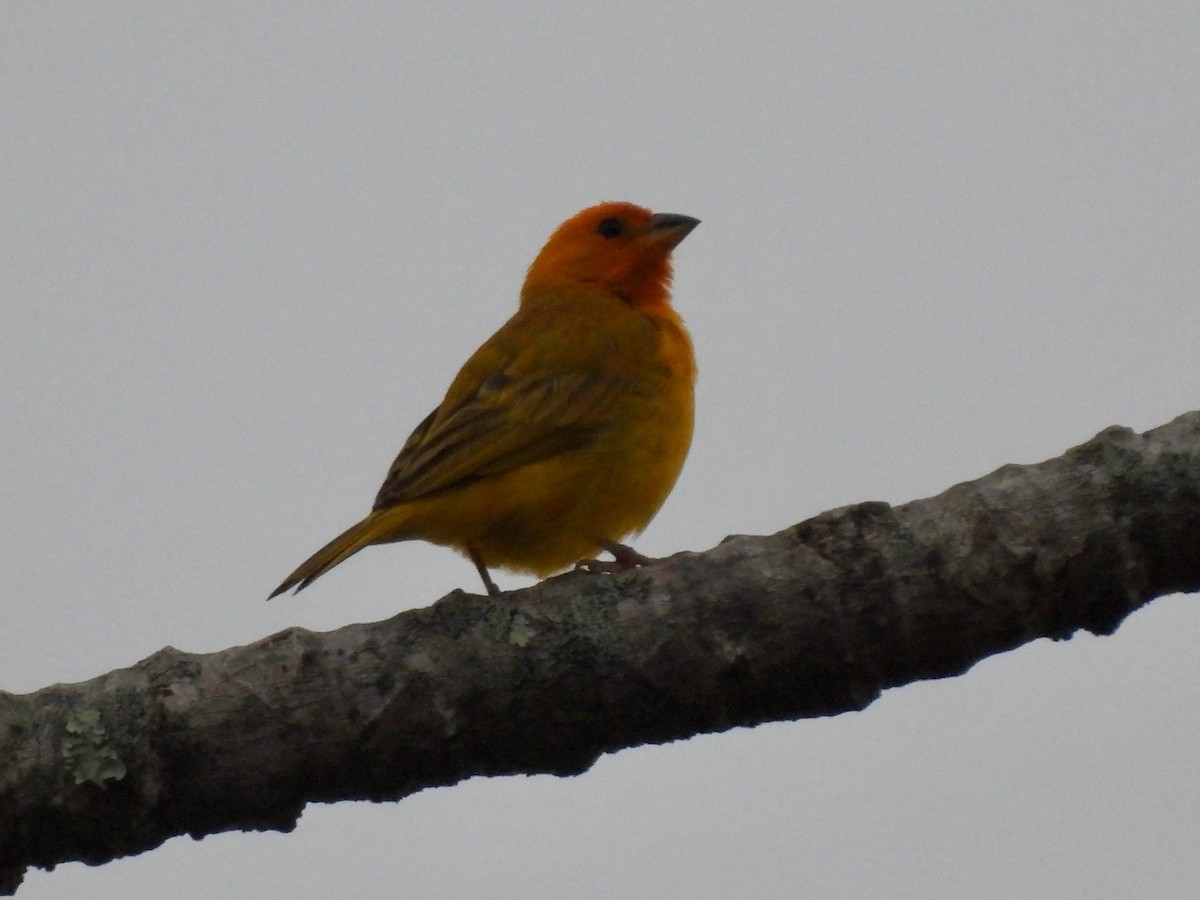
(815, 620)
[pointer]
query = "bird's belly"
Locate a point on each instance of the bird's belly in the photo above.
(543, 517)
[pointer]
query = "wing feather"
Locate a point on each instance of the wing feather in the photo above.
(505, 424)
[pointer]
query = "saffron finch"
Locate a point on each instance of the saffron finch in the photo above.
(566, 430)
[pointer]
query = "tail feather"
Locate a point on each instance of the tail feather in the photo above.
(369, 531)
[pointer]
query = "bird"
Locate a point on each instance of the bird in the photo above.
(566, 430)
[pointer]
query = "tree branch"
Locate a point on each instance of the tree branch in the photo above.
(815, 620)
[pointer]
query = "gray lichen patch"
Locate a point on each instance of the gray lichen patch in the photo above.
(86, 751)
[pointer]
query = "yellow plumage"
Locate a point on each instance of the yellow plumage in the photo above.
(566, 430)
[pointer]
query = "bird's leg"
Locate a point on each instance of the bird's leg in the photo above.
(492, 590)
(624, 557)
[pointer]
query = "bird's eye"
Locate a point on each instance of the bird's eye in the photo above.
(610, 227)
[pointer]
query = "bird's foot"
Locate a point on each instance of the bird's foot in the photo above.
(623, 558)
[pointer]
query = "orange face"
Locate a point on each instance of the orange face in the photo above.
(621, 247)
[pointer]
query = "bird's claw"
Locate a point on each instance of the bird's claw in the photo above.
(624, 559)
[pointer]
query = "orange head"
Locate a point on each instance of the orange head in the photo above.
(623, 248)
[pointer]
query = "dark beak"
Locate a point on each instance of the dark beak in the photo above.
(670, 228)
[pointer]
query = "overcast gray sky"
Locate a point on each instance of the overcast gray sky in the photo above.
(247, 246)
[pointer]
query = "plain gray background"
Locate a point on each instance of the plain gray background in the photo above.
(247, 246)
